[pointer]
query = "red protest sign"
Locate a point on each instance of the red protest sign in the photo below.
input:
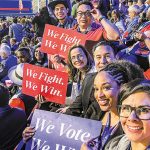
(51, 84)
(58, 40)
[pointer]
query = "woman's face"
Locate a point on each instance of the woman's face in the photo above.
(38, 55)
(22, 57)
(106, 91)
(137, 130)
(78, 58)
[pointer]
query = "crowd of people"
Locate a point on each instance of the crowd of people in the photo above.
(108, 76)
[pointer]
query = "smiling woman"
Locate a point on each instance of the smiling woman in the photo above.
(107, 85)
(134, 112)
(80, 63)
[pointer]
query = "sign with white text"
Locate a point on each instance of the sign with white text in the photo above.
(55, 131)
(50, 83)
(58, 40)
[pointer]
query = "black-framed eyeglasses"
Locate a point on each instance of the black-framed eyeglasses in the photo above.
(142, 112)
(86, 13)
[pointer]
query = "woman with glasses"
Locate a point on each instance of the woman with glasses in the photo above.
(106, 88)
(134, 112)
(80, 63)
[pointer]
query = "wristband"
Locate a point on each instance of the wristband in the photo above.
(101, 18)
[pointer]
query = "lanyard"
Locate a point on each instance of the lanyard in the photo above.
(99, 142)
(107, 132)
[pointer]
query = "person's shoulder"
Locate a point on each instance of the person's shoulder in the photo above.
(36, 19)
(91, 75)
(18, 113)
(119, 142)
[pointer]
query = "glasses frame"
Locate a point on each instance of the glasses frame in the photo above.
(86, 13)
(78, 57)
(132, 109)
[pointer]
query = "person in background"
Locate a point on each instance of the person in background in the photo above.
(3, 31)
(12, 122)
(123, 8)
(38, 22)
(7, 60)
(134, 112)
(114, 4)
(102, 5)
(74, 8)
(135, 2)
(60, 9)
(147, 4)
(133, 20)
(23, 55)
(94, 31)
(16, 30)
(130, 2)
(118, 21)
(141, 5)
(39, 58)
(20, 100)
(14, 45)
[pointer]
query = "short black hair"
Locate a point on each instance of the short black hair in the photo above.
(21, 49)
(135, 86)
(26, 50)
(4, 95)
(85, 2)
(104, 43)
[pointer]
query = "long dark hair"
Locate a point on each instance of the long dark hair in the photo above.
(44, 59)
(74, 71)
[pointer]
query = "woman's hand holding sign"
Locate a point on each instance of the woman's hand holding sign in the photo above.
(40, 99)
(62, 110)
(28, 133)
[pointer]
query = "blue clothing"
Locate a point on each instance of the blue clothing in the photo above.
(123, 9)
(16, 31)
(133, 25)
(121, 25)
(7, 64)
(142, 8)
(114, 4)
(12, 123)
(69, 23)
(14, 47)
